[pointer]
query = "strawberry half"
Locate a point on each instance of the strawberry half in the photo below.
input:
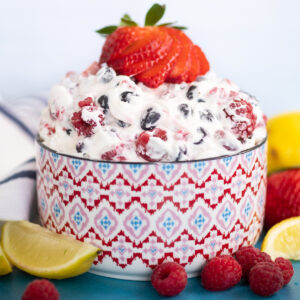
(180, 69)
(204, 64)
(143, 53)
(194, 70)
(157, 75)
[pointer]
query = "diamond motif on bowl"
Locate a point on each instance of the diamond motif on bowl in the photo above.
(136, 223)
(199, 221)
(168, 224)
(105, 222)
(78, 218)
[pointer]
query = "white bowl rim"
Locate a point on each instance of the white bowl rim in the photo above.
(40, 142)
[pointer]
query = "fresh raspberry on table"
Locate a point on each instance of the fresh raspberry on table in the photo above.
(286, 268)
(148, 145)
(240, 113)
(248, 257)
(169, 279)
(283, 196)
(221, 273)
(265, 279)
(40, 290)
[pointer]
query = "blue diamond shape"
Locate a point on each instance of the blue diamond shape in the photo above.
(104, 167)
(199, 166)
(105, 222)
(249, 155)
(226, 214)
(135, 167)
(227, 160)
(136, 222)
(56, 210)
(168, 223)
(199, 221)
(168, 168)
(76, 163)
(78, 218)
(247, 208)
(55, 156)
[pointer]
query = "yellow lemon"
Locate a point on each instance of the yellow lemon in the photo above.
(5, 266)
(283, 239)
(43, 253)
(284, 141)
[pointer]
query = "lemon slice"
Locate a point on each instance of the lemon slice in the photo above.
(43, 253)
(283, 239)
(5, 266)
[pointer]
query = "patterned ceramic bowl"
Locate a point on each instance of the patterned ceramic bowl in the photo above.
(142, 214)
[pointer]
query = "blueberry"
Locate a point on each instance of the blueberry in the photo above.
(79, 147)
(185, 109)
(125, 96)
(190, 92)
(200, 100)
(204, 134)
(68, 131)
(103, 102)
(122, 124)
(206, 115)
(149, 119)
(106, 74)
(181, 153)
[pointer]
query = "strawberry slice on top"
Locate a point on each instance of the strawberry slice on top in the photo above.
(153, 54)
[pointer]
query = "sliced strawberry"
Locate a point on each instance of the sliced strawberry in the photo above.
(180, 69)
(91, 70)
(204, 64)
(143, 53)
(157, 75)
(195, 66)
(118, 41)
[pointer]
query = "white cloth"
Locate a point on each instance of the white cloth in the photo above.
(19, 122)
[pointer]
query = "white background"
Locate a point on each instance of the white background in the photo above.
(256, 43)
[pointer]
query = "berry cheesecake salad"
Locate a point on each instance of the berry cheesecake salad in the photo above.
(150, 98)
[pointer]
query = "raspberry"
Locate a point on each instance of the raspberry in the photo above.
(286, 268)
(40, 290)
(240, 112)
(283, 196)
(169, 279)
(265, 279)
(248, 257)
(221, 273)
(87, 119)
(114, 154)
(148, 150)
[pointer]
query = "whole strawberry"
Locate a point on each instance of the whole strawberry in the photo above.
(41, 290)
(283, 196)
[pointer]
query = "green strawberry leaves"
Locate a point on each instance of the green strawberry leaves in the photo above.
(154, 14)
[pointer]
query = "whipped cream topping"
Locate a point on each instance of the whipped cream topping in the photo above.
(110, 117)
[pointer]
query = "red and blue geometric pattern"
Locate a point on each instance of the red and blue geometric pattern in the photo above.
(144, 214)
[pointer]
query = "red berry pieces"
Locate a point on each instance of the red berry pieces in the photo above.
(221, 273)
(243, 119)
(86, 102)
(248, 257)
(41, 290)
(286, 268)
(149, 145)
(169, 279)
(265, 279)
(114, 154)
(283, 197)
(87, 119)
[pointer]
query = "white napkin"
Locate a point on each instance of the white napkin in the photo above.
(18, 126)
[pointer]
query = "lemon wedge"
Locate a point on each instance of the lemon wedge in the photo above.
(5, 266)
(284, 141)
(283, 239)
(43, 253)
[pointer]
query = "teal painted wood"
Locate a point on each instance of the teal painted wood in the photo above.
(93, 287)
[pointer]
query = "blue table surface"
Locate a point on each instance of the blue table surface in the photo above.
(90, 286)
